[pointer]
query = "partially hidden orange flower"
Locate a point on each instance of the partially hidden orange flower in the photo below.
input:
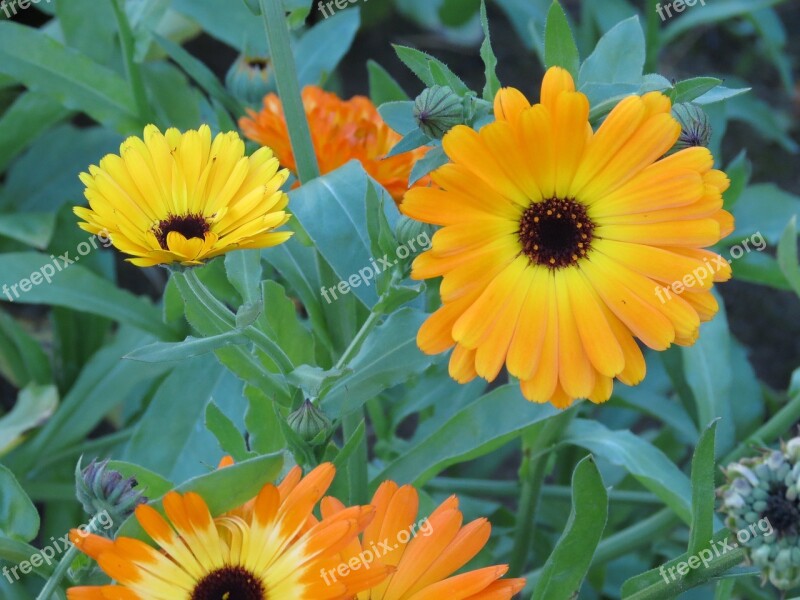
(272, 547)
(424, 554)
(341, 130)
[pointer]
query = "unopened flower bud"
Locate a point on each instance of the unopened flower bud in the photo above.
(695, 127)
(308, 422)
(250, 78)
(101, 489)
(437, 110)
(414, 235)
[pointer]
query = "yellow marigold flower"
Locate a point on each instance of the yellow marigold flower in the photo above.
(273, 547)
(559, 243)
(341, 130)
(423, 554)
(183, 198)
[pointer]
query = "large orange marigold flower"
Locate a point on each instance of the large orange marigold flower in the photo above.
(272, 547)
(558, 242)
(341, 130)
(423, 554)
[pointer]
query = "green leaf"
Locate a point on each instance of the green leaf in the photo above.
(73, 286)
(787, 255)
(35, 404)
(262, 423)
(22, 359)
(476, 430)
(618, 57)
(200, 73)
(229, 22)
(243, 269)
(31, 115)
(322, 47)
(720, 93)
(188, 348)
(170, 438)
(560, 49)
(739, 171)
(15, 552)
(431, 71)
(764, 208)
(691, 89)
(229, 437)
(222, 490)
(703, 490)
(651, 467)
(457, 13)
(46, 66)
(342, 237)
(281, 322)
(567, 565)
(382, 86)
(492, 85)
(432, 160)
(19, 519)
(399, 116)
(707, 369)
(32, 228)
(389, 356)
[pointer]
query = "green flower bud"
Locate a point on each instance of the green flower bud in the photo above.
(437, 110)
(250, 78)
(100, 489)
(309, 422)
(695, 127)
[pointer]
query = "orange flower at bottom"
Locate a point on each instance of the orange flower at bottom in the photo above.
(341, 130)
(424, 554)
(272, 547)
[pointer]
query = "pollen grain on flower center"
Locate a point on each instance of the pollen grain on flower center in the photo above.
(230, 583)
(556, 232)
(189, 226)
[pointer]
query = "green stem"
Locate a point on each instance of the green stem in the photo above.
(132, 70)
(780, 423)
(280, 46)
(63, 566)
(226, 320)
(355, 345)
(537, 445)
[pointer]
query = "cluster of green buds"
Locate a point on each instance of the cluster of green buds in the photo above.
(250, 78)
(101, 489)
(695, 127)
(762, 495)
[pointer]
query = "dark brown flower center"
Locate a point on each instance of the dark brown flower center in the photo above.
(555, 233)
(782, 513)
(189, 226)
(230, 583)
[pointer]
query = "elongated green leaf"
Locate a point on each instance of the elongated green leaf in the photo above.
(382, 86)
(492, 85)
(389, 356)
(787, 255)
(15, 552)
(714, 12)
(31, 115)
(322, 47)
(191, 346)
(22, 359)
(35, 404)
(567, 565)
(44, 65)
(263, 428)
(690, 89)
(560, 49)
(431, 71)
(244, 272)
(222, 490)
(280, 321)
(230, 22)
(474, 431)
(19, 519)
(618, 57)
(763, 209)
(229, 437)
(642, 460)
(150, 484)
(32, 228)
(341, 237)
(703, 494)
(73, 286)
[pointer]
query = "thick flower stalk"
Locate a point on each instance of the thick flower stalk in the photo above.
(559, 244)
(341, 131)
(185, 198)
